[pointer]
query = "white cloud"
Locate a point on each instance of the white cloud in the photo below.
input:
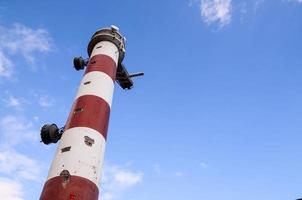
(117, 179)
(10, 189)
(204, 165)
(19, 39)
(257, 4)
(19, 165)
(45, 101)
(157, 169)
(36, 118)
(13, 102)
(298, 1)
(6, 65)
(216, 11)
(178, 174)
(15, 130)
(24, 40)
(127, 179)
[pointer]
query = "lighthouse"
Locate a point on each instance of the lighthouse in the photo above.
(76, 169)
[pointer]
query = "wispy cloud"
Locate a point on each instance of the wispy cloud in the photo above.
(14, 102)
(178, 174)
(24, 40)
(216, 12)
(16, 167)
(204, 165)
(21, 40)
(46, 101)
(221, 12)
(297, 1)
(258, 3)
(21, 166)
(10, 189)
(157, 168)
(15, 130)
(6, 65)
(117, 179)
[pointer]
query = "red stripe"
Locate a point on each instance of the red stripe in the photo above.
(102, 63)
(76, 188)
(89, 111)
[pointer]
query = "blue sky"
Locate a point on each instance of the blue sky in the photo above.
(217, 115)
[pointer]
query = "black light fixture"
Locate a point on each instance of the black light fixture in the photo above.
(50, 133)
(79, 63)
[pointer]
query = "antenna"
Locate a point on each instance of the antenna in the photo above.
(123, 78)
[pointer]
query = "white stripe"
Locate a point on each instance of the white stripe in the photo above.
(106, 48)
(98, 84)
(81, 160)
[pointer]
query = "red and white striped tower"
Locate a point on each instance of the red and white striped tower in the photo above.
(76, 168)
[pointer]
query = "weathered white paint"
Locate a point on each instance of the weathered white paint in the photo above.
(106, 48)
(97, 84)
(82, 160)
